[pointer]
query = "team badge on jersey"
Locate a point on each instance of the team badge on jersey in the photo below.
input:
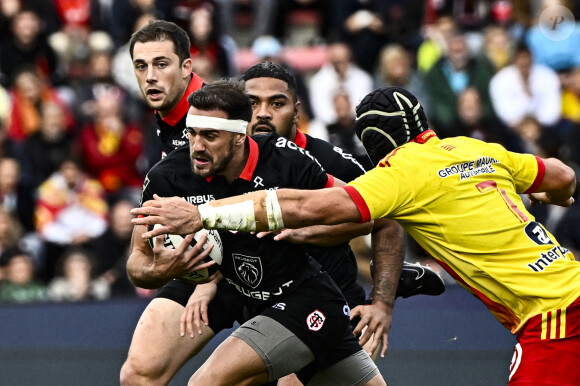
(315, 320)
(248, 269)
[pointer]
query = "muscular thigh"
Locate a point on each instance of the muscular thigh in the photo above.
(157, 341)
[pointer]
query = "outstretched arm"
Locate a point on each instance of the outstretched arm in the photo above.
(256, 211)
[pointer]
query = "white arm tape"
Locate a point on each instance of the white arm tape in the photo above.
(237, 217)
(273, 211)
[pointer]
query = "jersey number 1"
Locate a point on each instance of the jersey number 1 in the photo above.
(486, 186)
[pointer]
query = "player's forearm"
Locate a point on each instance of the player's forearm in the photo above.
(328, 235)
(559, 180)
(140, 264)
(388, 249)
(284, 208)
(142, 273)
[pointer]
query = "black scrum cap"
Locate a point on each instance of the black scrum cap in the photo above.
(387, 118)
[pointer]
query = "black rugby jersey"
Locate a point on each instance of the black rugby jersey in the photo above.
(171, 129)
(261, 269)
(338, 260)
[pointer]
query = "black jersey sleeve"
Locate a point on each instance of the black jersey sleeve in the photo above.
(335, 160)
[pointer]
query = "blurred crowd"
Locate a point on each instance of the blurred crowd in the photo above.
(76, 139)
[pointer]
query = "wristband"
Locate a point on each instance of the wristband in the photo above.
(273, 211)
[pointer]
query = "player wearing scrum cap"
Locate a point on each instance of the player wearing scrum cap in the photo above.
(298, 314)
(459, 199)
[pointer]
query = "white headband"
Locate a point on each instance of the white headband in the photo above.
(233, 125)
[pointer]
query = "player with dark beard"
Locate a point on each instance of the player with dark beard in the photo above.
(297, 314)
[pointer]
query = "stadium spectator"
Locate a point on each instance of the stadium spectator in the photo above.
(341, 132)
(99, 79)
(29, 93)
(111, 146)
(11, 231)
(339, 73)
(561, 55)
(75, 278)
(525, 89)
(452, 74)
(283, 9)
(16, 194)
(125, 14)
(70, 210)
(435, 42)
(45, 149)
(27, 46)
(472, 123)
(367, 26)
(111, 249)
(396, 68)
(5, 107)
(19, 284)
(571, 96)
(262, 18)
(498, 46)
(207, 40)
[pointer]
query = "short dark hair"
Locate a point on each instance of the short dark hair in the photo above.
(161, 30)
(226, 95)
(272, 70)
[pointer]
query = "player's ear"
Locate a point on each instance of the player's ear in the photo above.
(297, 109)
(187, 67)
(240, 139)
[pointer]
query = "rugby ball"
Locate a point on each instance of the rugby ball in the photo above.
(213, 238)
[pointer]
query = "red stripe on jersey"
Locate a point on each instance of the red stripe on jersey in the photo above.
(330, 181)
(360, 203)
(539, 177)
(182, 107)
(250, 167)
(300, 139)
(385, 162)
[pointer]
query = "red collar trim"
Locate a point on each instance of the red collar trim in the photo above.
(182, 107)
(424, 136)
(300, 139)
(248, 171)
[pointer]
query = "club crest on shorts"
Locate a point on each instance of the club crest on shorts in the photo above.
(315, 320)
(248, 269)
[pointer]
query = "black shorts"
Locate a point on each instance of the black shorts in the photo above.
(317, 313)
(223, 311)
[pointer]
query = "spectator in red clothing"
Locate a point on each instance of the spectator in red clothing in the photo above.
(29, 94)
(70, 210)
(111, 147)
